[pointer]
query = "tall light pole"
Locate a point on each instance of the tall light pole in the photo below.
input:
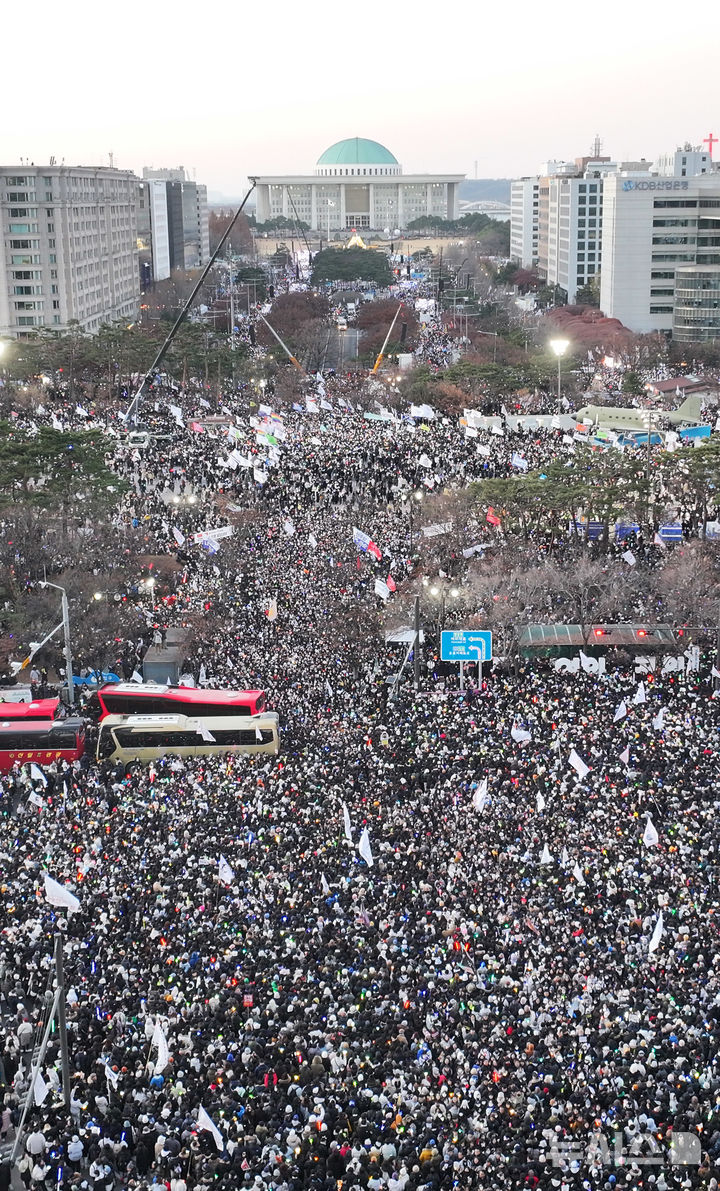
(66, 634)
(559, 346)
(330, 204)
(418, 497)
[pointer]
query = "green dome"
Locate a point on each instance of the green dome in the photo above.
(357, 151)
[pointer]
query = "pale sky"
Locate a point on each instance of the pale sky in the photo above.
(232, 88)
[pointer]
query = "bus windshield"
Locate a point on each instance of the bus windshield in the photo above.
(129, 698)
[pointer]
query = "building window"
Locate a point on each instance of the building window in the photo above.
(661, 309)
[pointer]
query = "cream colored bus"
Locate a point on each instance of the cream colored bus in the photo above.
(147, 737)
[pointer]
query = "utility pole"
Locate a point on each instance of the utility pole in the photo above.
(68, 653)
(62, 1024)
(416, 649)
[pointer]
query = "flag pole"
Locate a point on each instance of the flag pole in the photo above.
(33, 1076)
(62, 1024)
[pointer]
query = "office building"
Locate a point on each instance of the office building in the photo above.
(524, 203)
(652, 226)
(69, 248)
(356, 184)
(173, 224)
(153, 232)
(696, 310)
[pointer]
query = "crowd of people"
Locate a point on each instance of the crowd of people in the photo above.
(445, 939)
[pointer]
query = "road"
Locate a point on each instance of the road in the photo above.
(341, 349)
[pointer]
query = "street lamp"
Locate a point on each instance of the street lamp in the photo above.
(330, 204)
(66, 634)
(559, 346)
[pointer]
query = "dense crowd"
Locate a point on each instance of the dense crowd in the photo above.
(517, 985)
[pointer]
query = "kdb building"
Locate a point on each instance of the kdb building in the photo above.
(658, 232)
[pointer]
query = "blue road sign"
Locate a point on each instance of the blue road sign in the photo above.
(466, 645)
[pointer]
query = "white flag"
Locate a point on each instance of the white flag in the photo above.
(578, 764)
(312, 540)
(620, 711)
(519, 734)
(179, 537)
(650, 835)
(271, 609)
(715, 672)
(364, 848)
(136, 677)
(203, 731)
(629, 558)
(347, 824)
(382, 589)
(539, 802)
(564, 858)
(659, 720)
(258, 735)
(259, 475)
(657, 541)
(160, 1041)
(204, 1123)
(480, 795)
(40, 1088)
(639, 696)
(288, 527)
(545, 858)
(225, 873)
(577, 873)
(113, 1077)
(37, 774)
(324, 885)
(657, 934)
(625, 755)
(59, 895)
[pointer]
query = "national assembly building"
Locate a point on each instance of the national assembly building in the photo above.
(357, 184)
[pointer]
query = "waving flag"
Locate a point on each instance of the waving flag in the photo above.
(225, 872)
(59, 895)
(205, 1124)
(160, 1041)
(364, 848)
(657, 934)
(650, 835)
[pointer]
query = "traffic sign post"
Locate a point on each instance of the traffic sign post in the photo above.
(466, 645)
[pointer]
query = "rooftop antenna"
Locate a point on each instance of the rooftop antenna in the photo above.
(596, 146)
(476, 165)
(111, 159)
(53, 160)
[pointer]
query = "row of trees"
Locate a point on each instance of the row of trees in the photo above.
(607, 487)
(102, 364)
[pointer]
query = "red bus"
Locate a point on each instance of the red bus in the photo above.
(39, 709)
(133, 698)
(41, 741)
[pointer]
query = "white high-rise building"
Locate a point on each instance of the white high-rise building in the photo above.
(69, 248)
(653, 225)
(174, 223)
(524, 221)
